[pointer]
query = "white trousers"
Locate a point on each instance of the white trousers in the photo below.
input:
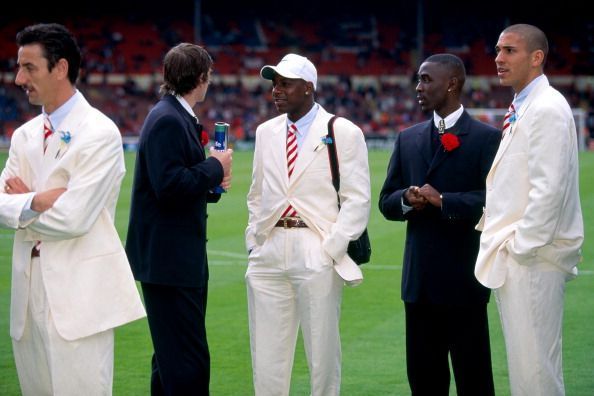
(530, 306)
(49, 365)
(290, 283)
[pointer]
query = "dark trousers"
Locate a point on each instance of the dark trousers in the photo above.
(434, 331)
(181, 362)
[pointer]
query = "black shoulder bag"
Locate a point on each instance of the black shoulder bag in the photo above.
(359, 249)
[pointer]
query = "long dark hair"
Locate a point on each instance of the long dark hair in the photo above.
(185, 67)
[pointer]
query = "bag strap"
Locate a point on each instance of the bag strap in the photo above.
(333, 157)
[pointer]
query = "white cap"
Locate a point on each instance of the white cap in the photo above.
(292, 66)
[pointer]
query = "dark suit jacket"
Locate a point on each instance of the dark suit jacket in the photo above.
(441, 245)
(166, 241)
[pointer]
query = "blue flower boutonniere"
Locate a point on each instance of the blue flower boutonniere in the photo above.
(325, 140)
(65, 138)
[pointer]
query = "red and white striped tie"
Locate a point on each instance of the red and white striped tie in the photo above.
(47, 130)
(291, 158)
(510, 117)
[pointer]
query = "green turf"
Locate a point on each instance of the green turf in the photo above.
(372, 323)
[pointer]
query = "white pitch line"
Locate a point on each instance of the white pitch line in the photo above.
(382, 267)
(243, 261)
(227, 263)
(228, 254)
(244, 257)
(371, 266)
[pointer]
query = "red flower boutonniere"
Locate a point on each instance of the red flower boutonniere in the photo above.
(204, 138)
(450, 141)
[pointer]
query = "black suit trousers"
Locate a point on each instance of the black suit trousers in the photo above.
(434, 331)
(181, 361)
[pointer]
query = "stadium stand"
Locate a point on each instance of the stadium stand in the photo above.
(366, 65)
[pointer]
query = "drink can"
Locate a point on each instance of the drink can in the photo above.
(221, 133)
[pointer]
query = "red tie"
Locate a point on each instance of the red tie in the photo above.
(291, 158)
(47, 130)
(510, 117)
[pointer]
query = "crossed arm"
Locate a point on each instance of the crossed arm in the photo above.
(41, 202)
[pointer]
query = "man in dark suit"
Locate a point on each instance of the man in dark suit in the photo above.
(166, 242)
(436, 182)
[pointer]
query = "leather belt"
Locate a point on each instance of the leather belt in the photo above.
(291, 222)
(34, 252)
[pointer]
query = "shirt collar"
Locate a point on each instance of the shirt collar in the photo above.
(450, 119)
(186, 106)
(521, 96)
(305, 122)
(61, 112)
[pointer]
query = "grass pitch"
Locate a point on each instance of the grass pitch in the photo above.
(372, 325)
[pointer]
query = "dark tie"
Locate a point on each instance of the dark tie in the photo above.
(436, 136)
(291, 158)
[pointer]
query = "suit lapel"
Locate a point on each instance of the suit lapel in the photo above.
(58, 142)
(195, 131)
(34, 151)
(423, 142)
(506, 141)
(307, 152)
(192, 127)
(438, 158)
(461, 129)
(275, 138)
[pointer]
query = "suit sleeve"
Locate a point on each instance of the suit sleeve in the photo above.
(355, 189)
(171, 177)
(469, 205)
(99, 167)
(254, 196)
(12, 205)
(213, 197)
(390, 201)
(551, 146)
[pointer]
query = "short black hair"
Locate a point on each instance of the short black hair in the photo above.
(453, 63)
(57, 42)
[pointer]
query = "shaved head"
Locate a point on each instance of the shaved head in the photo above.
(534, 37)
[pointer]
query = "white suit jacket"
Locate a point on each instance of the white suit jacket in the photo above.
(310, 190)
(532, 210)
(85, 271)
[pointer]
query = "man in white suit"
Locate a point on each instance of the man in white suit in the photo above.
(532, 224)
(71, 282)
(297, 237)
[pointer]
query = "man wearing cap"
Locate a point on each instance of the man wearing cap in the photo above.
(297, 236)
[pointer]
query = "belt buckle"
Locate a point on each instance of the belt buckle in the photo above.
(290, 222)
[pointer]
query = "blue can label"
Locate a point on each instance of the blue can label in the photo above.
(220, 135)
